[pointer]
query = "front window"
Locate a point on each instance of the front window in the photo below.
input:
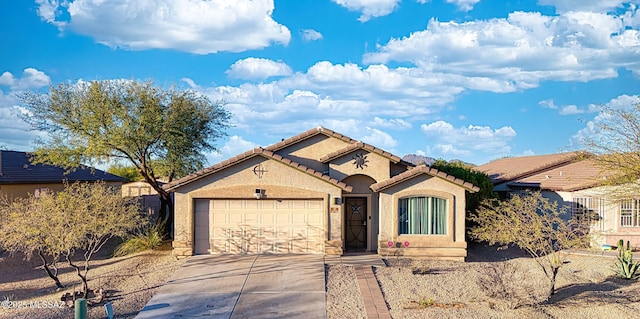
(586, 209)
(422, 215)
(630, 213)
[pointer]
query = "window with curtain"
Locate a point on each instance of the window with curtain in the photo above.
(422, 215)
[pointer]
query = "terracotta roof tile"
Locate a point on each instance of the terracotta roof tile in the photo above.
(508, 169)
(418, 170)
(570, 177)
(249, 154)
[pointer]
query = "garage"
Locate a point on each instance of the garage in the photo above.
(236, 226)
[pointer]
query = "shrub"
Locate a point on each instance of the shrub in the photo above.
(149, 238)
(625, 267)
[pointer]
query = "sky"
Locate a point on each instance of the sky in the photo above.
(473, 80)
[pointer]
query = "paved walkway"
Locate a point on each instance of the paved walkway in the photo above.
(243, 286)
(374, 303)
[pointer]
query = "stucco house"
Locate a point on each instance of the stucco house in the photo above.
(320, 192)
(19, 177)
(575, 181)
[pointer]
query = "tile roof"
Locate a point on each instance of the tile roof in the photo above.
(258, 151)
(418, 170)
(359, 146)
(15, 168)
(308, 134)
(512, 168)
(570, 177)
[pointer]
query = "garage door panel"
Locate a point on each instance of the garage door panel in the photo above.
(259, 226)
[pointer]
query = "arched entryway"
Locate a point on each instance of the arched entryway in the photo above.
(360, 229)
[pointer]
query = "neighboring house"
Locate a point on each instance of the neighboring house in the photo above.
(320, 192)
(148, 199)
(18, 177)
(574, 180)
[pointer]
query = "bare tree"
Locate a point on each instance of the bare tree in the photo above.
(533, 223)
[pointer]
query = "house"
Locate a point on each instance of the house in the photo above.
(320, 192)
(19, 177)
(147, 197)
(575, 181)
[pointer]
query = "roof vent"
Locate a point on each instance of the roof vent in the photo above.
(547, 176)
(25, 166)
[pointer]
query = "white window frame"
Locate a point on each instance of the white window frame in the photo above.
(630, 212)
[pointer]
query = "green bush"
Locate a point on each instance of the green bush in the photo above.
(149, 238)
(625, 267)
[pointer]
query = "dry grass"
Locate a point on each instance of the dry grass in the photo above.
(129, 282)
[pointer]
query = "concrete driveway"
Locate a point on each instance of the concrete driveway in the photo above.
(243, 286)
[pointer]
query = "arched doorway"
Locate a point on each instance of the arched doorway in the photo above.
(360, 214)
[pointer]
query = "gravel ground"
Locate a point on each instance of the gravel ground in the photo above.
(343, 294)
(493, 284)
(129, 282)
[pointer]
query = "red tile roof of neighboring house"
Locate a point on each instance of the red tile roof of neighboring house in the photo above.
(259, 151)
(555, 172)
(359, 146)
(418, 170)
(308, 134)
(570, 177)
(512, 168)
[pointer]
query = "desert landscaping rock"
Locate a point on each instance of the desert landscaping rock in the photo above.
(413, 288)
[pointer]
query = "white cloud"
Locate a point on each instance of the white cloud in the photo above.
(390, 123)
(195, 26)
(621, 102)
(464, 5)
(520, 51)
(258, 68)
(233, 146)
(311, 35)
(379, 139)
(31, 79)
(584, 5)
(369, 8)
(478, 141)
(568, 109)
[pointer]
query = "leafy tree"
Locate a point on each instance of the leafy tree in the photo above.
(94, 122)
(533, 223)
(467, 173)
(27, 228)
(615, 140)
(129, 172)
(82, 217)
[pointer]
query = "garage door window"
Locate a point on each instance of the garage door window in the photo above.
(422, 215)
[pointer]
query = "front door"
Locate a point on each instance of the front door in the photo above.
(355, 223)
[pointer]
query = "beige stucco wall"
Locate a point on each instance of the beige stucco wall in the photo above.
(240, 181)
(451, 246)
(309, 151)
(23, 190)
(376, 166)
(608, 229)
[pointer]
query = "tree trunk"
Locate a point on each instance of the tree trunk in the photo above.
(554, 273)
(85, 285)
(165, 215)
(51, 274)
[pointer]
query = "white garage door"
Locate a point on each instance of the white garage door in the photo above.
(259, 226)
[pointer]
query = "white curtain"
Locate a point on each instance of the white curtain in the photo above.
(422, 215)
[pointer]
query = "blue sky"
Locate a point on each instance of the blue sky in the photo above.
(474, 80)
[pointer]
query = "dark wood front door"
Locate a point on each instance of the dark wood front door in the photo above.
(355, 223)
